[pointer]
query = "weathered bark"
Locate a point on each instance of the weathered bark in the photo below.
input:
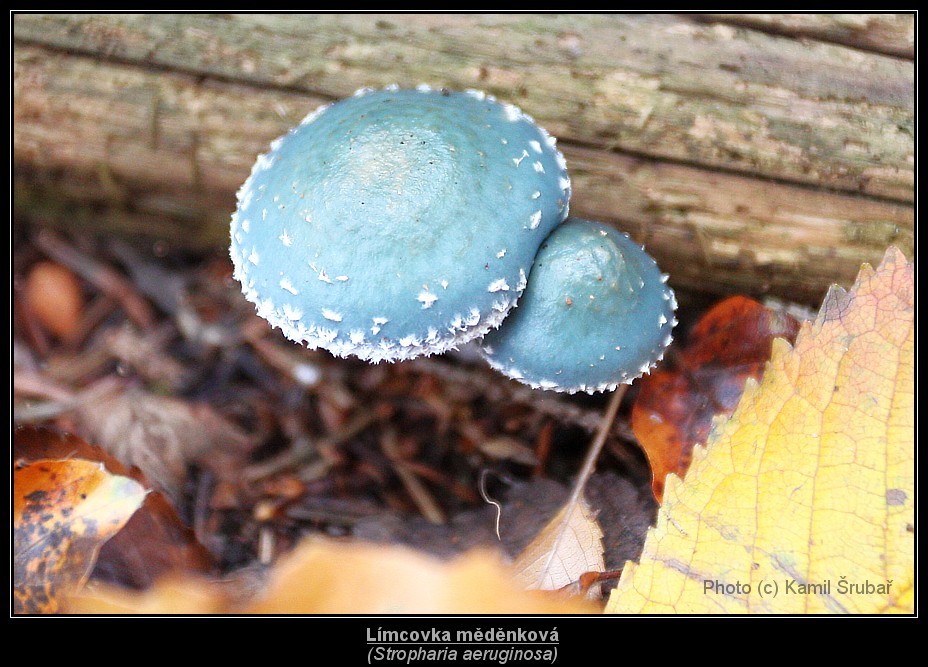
(745, 161)
(892, 34)
(656, 85)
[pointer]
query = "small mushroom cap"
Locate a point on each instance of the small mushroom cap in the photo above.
(596, 313)
(397, 223)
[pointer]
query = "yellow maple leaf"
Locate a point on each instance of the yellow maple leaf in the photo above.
(803, 502)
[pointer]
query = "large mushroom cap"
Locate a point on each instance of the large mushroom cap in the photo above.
(397, 223)
(596, 313)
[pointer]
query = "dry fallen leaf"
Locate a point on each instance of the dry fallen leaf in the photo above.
(803, 502)
(152, 543)
(569, 546)
(326, 577)
(63, 511)
(160, 435)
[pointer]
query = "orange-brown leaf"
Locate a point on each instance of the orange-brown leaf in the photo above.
(152, 544)
(677, 403)
(154, 541)
(738, 331)
(63, 511)
(32, 443)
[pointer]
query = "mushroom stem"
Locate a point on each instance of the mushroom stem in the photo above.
(589, 465)
(596, 446)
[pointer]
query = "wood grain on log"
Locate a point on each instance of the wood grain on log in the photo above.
(892, 34)
(746, 161)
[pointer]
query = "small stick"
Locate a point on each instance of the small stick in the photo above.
(202, 496)
(265, 545)
(61, 400)
(31, 383)
(417, 491)
(543, 448)
(462, 491)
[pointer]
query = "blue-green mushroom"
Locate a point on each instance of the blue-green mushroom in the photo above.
(596, 313)
(398, 222)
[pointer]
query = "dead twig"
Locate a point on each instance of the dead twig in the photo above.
(543, 448)
(30, 383)
(415, 488)
(58, 400)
